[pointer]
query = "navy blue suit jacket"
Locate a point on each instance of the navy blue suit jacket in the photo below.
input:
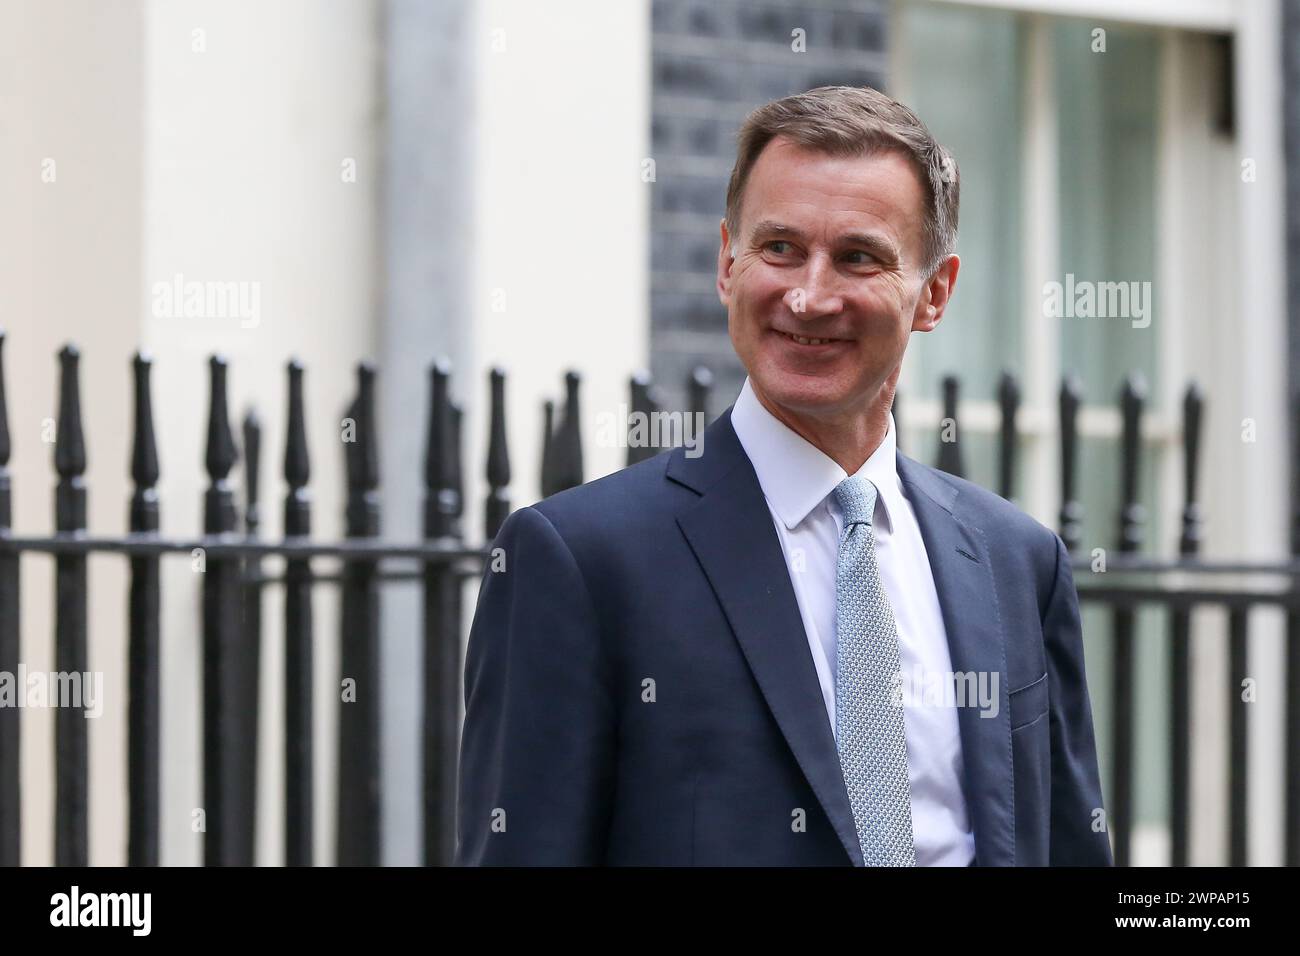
(639, 687)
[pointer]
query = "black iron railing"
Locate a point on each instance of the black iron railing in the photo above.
(231, 558)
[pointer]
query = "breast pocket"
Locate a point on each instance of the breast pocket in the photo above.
(1028, 704)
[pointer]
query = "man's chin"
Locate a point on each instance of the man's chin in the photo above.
(803, 394)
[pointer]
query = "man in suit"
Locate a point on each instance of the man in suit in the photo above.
(797, 646)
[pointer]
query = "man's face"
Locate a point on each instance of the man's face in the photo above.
(830, 247)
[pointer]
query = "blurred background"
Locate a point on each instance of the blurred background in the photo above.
(538, 185)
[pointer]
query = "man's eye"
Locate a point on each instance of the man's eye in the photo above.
(863, 257)
(784, 246)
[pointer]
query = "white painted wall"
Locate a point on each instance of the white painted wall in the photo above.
(245, 145)
(221, 165)
(224, 164)
(563, 221)
(71, 82)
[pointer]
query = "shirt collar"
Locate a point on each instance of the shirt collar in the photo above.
(795, 475)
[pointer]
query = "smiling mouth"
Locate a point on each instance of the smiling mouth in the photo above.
(806, 340)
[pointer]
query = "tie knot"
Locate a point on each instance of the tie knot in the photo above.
(857, 500)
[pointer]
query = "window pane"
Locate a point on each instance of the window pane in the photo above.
(964, 82)
(1107, 154)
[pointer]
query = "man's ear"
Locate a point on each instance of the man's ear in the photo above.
(725, 262)
(936, 295)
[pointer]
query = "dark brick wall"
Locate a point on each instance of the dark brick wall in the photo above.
(714, 61)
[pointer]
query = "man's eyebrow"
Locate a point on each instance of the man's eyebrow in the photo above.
(879, 245)
(770, 227)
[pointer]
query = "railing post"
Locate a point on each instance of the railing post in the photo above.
(144, 715)
(497, 507)
(549, 481)
(10, 792)
(1238, 735)
(71, 827)
(639, 410)
(227, 839)
(443, 507)
(358, 785)
(298, 654)
(1131, 518)
(950, 457)
(1071, 398)
(1180, 667)
(250, 630)
(568, 450)
(1008, 403)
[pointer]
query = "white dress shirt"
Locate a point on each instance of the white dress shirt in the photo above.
(797, 479)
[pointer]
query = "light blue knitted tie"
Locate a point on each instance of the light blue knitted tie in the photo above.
(869, 730)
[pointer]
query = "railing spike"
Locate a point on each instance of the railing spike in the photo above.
(639, 389)
(1008, 403)
(252, 429)
(442, 481)
(70, 443)
(1071, 517)
(497, 506)
(297, 462)
(950, 454)
(548, 449)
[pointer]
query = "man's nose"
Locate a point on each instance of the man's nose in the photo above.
(817, 291)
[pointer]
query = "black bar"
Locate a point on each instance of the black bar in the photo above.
(1292, 730)
(144, 718)
(298, 803)
(238, 547)
(1071, 517)
(358, 782)
(1123, 678)
(950, 453)
(1180, 667)
(1180, 676)
(639, 395)
(71, 833)
(497, 507)
(1121, 594)
(1120, 816)
(442, 627)
(227, 839)
(249, 654)
(1238, 734)
(548, 478)
(1008, 403)
(568, 439)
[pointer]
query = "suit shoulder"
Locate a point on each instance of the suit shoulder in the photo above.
(1002, 519)
(617, 501)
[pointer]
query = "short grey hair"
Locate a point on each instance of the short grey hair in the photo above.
(852, 121)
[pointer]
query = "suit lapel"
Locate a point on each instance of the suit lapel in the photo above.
(731, 532)
(963, 578)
